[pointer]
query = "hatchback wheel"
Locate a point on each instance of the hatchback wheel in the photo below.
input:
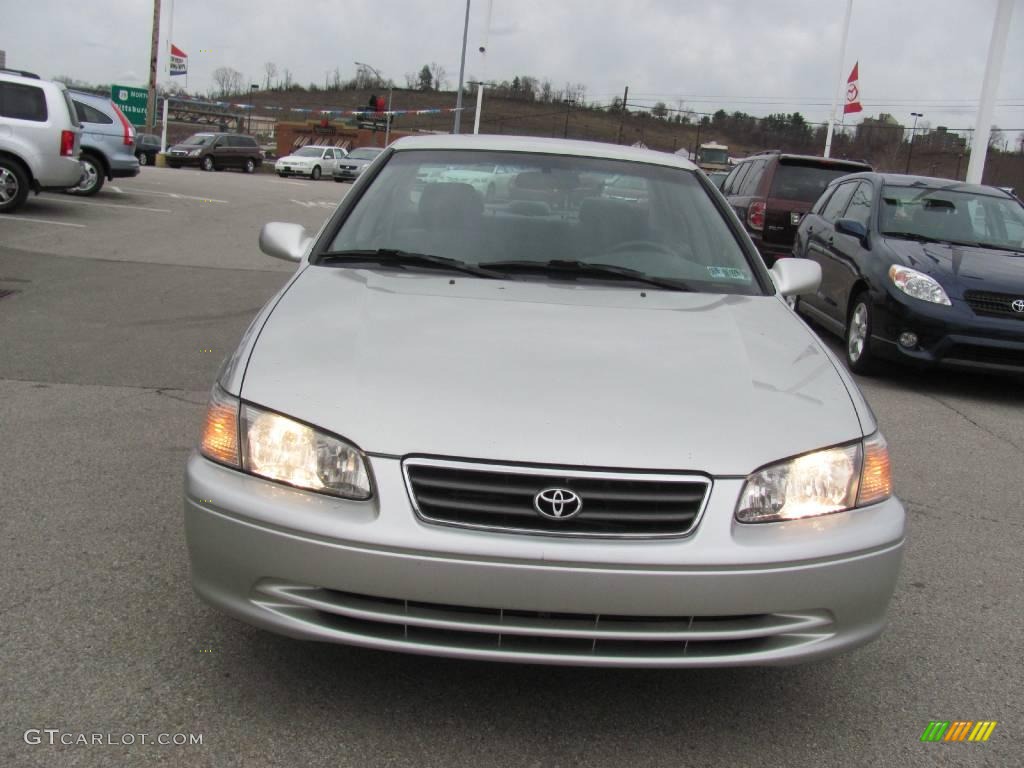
(13, 185)
(208, 164)
(315, 175)
(92, 177)
(143, 158)
(858, 335)
(250, 165)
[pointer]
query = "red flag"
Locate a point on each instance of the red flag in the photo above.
(852, 92)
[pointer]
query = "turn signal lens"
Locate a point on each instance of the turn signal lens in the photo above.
(876, 478)
(220, 432)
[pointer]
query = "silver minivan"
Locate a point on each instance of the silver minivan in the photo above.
(39, 138)
(108, 142)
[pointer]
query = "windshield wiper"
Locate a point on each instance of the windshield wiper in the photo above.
(585, 269)
(392, 257)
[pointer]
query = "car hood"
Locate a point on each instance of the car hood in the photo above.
(962, 268)
(527, 371)
(355, 161)
(297, 159)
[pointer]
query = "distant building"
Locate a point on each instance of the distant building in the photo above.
(879, 131)
(941, 139)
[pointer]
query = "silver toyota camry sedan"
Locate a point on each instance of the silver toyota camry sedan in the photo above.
(565, 427)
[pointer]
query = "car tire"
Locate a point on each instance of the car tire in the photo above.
(95, 175)
(857, 339)
(13, 185)
(207, 164)
(280, 174)
(315, 175)
(250, 165)
(143, 158)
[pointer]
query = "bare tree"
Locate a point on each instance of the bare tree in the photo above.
(411, 80)
(228, 80)
(270, 68)
(439, 75)
(997, 138)
(288, 79)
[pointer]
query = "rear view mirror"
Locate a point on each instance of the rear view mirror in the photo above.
(853, 229)
(796, 276)
(284, 241)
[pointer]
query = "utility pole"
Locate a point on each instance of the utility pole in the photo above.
(989, 87)
(910, 152)
(154, 53)
(462, 73)
(839, 77)
(696, 144)
(622, 118)
(568, 108)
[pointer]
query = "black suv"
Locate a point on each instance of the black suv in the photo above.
(215, 151)
(771, 192)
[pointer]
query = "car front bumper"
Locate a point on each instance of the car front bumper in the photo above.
(372, 574)
(952, 337)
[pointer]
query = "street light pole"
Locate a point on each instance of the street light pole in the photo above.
(462, 73)
(910, 151)
(391, 87)
(568, 108)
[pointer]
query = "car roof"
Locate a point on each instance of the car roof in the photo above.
(789, 157)
(930, 182)
(566, 147)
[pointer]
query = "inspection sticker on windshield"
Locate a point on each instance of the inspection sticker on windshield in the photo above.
(728, 273)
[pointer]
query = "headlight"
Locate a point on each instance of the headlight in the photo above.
(277, 448)
(195, 153)
(918, 285)
(832, 480)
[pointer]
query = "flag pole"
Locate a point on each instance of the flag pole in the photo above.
(839, 78)
(989, 86)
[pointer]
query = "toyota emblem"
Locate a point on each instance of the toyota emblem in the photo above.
(557, 503)
(1017, 305)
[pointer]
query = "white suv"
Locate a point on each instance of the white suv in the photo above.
(39, 138)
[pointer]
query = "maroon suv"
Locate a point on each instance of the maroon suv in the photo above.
(771, 191)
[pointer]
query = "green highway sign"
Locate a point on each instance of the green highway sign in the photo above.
(132, 102)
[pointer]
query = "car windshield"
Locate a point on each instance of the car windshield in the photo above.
(309, 152)
(198, 140)
(555, 210)
(795, 181)
(931, 213)
(366, 153)
(714, 155)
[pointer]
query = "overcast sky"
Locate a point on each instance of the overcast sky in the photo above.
(915, 55)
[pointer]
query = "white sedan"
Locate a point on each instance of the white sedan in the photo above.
(312, 161)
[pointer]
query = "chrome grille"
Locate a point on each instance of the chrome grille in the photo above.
(993, 304)
(501, 497)
(519, 635)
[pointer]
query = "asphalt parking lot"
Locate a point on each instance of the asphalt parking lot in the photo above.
(122, 307)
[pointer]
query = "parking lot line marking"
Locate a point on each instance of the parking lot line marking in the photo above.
(175, 195)
(7, 217)
(108, 205)
(293, 183)
(116, 189)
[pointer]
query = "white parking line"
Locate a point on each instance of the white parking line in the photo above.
(116, 189)
(175, 195)
(8, 217)
(106, 205)
(293, 183)
(316, 203)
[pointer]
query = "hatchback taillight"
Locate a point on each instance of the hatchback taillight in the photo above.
(67, 143)
(128, 136)
(755, 214)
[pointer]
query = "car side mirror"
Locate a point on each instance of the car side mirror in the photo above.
(794, 277)
(853, 229)
(283, 240)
